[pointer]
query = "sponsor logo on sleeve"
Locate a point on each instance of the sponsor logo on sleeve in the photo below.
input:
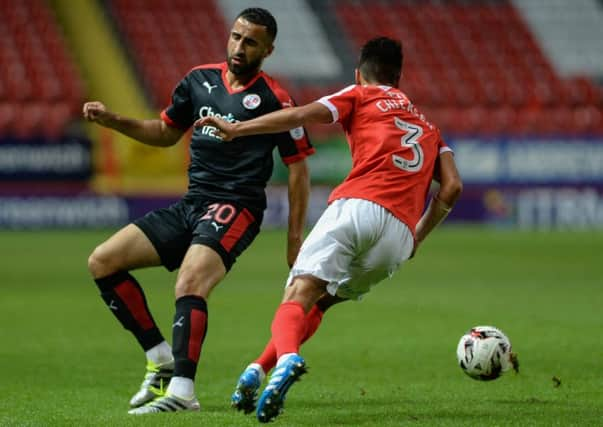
(297, 133)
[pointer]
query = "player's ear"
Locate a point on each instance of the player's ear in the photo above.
(269, 51)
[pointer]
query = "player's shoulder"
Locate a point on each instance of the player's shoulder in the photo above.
(353, 90)
(203, 68)
(389, 91)
(277, 89)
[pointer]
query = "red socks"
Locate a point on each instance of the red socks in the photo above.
(289, 315)
(313, 320)
(288, 327)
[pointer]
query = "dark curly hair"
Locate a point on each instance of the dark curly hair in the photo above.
(259, 16)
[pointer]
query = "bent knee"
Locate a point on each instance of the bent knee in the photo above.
(188, 286)
(100, 264)
(196, 283)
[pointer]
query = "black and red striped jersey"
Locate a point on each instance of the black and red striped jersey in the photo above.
(237, 170)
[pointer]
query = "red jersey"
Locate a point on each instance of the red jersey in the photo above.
(394, 149)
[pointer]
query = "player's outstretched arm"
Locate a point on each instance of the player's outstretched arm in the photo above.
(150, 132)
(275, 122)
(299, 194)
(441, 203)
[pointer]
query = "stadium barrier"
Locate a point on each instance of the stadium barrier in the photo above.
(539, 183)
(36, 159)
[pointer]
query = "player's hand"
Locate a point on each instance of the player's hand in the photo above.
(96, 111)
(293, 247)
(224, 130)
(414, 249)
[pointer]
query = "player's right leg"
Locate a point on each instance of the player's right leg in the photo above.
(109, 265)
(288, 329)
(201, 270)
(288, 370)
(245, 394)
(246, 391)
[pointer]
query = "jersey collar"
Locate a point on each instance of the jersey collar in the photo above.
(232, 91)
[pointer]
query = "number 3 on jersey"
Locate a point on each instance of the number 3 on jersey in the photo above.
(409, 139)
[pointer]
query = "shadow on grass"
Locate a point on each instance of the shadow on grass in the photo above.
(528, 400)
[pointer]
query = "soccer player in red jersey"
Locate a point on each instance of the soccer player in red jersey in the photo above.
(217, 219)
(375, 219)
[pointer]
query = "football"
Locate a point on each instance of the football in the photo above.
(484, 353)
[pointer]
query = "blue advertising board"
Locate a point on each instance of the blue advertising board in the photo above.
(529, 161)
(525, 183)
(546, 183)
(35, 160)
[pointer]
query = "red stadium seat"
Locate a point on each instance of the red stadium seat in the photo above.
(169, 38)
(36, 72)
(57, 118)
(7, 117)
(29, 119)
(480, 59)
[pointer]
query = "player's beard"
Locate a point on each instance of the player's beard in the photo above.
(247, 68)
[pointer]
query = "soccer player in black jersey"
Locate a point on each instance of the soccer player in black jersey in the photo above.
(215, 221)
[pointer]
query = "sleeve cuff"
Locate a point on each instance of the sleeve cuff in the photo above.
(168, 121)
(299, 156)
(332, 108)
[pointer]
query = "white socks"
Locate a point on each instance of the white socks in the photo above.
(181, 387)
(160, 354)
(258, 367)
(284, 357)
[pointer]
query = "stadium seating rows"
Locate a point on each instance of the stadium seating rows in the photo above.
(476, 68)
(169, 38)
(40, 89)
(473, 67)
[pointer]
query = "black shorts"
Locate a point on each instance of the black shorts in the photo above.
(222, 225)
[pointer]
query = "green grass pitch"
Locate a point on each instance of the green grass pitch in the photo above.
(386, 361)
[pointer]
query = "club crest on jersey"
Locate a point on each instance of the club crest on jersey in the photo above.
(252, 101)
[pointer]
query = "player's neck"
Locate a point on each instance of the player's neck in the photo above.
(241, 80)
(360, 80)
(373, 83)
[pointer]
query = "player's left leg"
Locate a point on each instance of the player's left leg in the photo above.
(110, 264)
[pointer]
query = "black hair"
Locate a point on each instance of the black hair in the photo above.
(381, 61)
(259, 16)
